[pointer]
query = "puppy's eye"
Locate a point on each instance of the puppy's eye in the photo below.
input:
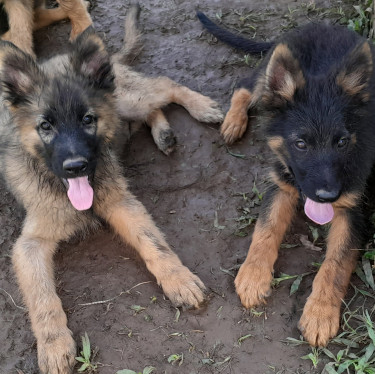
(88, 119)
(46, 126)
(342, 142)
(300, 144)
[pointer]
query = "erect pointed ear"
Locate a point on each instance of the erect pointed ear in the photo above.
(20, 76)
(91, 60)
(356, 72)
(283, 77)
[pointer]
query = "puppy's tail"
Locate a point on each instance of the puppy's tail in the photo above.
(235, 41)
(132, 40)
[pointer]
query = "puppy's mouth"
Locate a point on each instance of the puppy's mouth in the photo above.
(320, 213)
(80, 192)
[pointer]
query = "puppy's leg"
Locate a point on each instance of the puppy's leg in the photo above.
(44, 17)
(33, 264)
(161, 131)
(253, 281)
(130, 220)
(138, 96)
(78, 15)
(20, 18)
(246, 95)
(320, 320)
(199, 106)
(236, 119)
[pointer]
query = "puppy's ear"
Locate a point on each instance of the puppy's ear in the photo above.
(355, 75)
(90, 60)
(20, 76)
(283, 77)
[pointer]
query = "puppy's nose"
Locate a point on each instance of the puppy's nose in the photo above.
(327, 196)
(74, 166)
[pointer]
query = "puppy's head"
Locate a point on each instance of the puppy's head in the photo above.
(64, 116)
(317, 128)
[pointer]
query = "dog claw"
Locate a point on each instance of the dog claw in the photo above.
(57, 356)
(183, 288)
(166, 141)
(233, 127)
(320, 322)
(253, 284)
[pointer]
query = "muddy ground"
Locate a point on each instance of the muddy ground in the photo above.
(200, 196)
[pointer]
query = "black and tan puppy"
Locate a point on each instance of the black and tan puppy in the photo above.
(60, 133)
(317, 85)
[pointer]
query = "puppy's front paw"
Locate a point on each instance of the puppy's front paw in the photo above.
(56, 353)
(234, 126)
(320, 321)
(253, 284)
(183, 288)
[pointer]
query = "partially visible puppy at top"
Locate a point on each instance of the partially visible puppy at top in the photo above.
(19, 18)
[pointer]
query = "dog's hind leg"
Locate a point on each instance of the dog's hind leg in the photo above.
(44, 17)
(138, 96)
(253, 281)
(200, 107)
(130, 220)
(20, 19)
(76, 11)
(33, 264)
(162, 133)
(320, 320)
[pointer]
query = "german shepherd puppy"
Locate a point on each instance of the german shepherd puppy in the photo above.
(317, 85)
(24, 16)
(60, 134)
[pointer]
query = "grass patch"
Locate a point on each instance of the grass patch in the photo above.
(85, 356)
(358, 338)
(353, 350)
(176, 358)
(362, 20)
(146, 370)
(296, 283)
(248, 217)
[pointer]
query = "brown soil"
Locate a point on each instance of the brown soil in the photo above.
(202, 179)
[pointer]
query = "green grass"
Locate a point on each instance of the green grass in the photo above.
(85, 356)
(362, 20)
(146, 370)
(353, 350)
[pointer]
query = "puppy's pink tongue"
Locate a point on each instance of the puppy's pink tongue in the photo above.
(320, 213)
(80, 193)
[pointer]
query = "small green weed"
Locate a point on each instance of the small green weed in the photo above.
(296, 283)
(146, 370)
(363, 20)
(243, 338)
(85, 357)
(313, 356)
(176, 359)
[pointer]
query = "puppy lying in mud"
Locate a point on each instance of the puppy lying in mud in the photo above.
(316, 84)
(60, 134)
